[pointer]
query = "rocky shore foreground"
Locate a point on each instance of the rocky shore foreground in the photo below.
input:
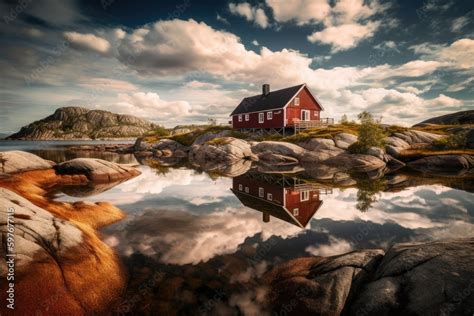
(63, 267)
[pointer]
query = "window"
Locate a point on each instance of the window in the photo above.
(316, 113)
(247, 117)
(261, 117)
(269, 115)
(240, 118)
(297, 101)
(304, 196)
(269, 196)
(296, 211)
(261, 192)
(246, 189)
(240, 187)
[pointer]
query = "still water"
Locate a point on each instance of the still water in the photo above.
(194, 243)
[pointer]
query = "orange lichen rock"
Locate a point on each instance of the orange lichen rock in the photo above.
(61, 265)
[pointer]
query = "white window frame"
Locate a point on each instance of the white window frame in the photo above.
(269, 115)
(261, 117)
(247, 117)
(247, 190)
(297, 101)
(261, 192)
(304, 195)
(309, 115)
(241, 187)
(316, 113)
(240, 117)
(269, 196)
(296, 211)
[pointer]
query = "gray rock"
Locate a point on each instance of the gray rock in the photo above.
(37, 232)
(421, 279)
(444, 164)
(97, 170)
(210, 136)
(376, 152)
(169, 144)
(19, 161)
(344, 140)
(319, 286)
(315, 144)
(417, 137)
(356, 163)
(227, 150)
(277, 159)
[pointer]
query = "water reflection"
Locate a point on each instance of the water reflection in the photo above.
(284, 197)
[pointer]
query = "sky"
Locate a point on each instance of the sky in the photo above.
(186, 61)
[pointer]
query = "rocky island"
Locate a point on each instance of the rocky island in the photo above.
(81, 123)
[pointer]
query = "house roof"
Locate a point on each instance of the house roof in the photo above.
(274, 100)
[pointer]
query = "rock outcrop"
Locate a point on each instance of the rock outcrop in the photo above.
(222, 150)
(463, 117)
(96, 170)
(19, 161)
(444, 164)
(356, 163)
(82, 123)
(404, 140)
(372, 282)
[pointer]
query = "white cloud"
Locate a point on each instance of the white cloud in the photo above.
(255, 43)
(107, 84)
(150, 105)
(250, 13)
(445, 101)
(345, 36)
(346, 23)
(88, 42)
(222, 19)
(457, 55)
(301, 11)
(335, 247)
(195, 84)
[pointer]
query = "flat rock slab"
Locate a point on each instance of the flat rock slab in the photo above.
(19, 161)
(97, 170)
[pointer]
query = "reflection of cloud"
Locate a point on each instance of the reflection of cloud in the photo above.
(335, 247)
(406, 208)
(180, 237)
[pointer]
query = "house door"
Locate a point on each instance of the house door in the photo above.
(305, 115)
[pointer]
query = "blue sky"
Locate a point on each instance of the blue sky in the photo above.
(180, 62)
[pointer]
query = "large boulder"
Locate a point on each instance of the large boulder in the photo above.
(69, 270)
(325, 148)
(344, 140)
(421, 279)
(444, 164)
(394, 145)
(356, 163)
(97, 170)
(210, 136)
(317, 285)
(170, 145)
(226, 150)
(19, 161)
(280, 148)
(417, 137)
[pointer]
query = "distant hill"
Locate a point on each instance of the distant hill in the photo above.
(463, 117)
(82, 123)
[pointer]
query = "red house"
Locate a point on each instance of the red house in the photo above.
(278, 196)
(277, 110)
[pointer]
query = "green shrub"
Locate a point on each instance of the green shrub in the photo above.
(344, 119)
(452, 141)
(370, 133)
(160, 131)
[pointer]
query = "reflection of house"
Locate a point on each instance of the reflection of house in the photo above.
(286, 198)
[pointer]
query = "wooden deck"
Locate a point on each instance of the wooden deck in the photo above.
(302, 125)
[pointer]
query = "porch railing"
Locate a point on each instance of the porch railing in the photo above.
(302, 125)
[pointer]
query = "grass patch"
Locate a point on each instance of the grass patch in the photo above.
(189, 138)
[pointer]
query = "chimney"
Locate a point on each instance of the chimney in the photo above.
(266, 89)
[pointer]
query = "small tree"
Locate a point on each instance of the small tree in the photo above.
(370, 134)
(344, 119)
